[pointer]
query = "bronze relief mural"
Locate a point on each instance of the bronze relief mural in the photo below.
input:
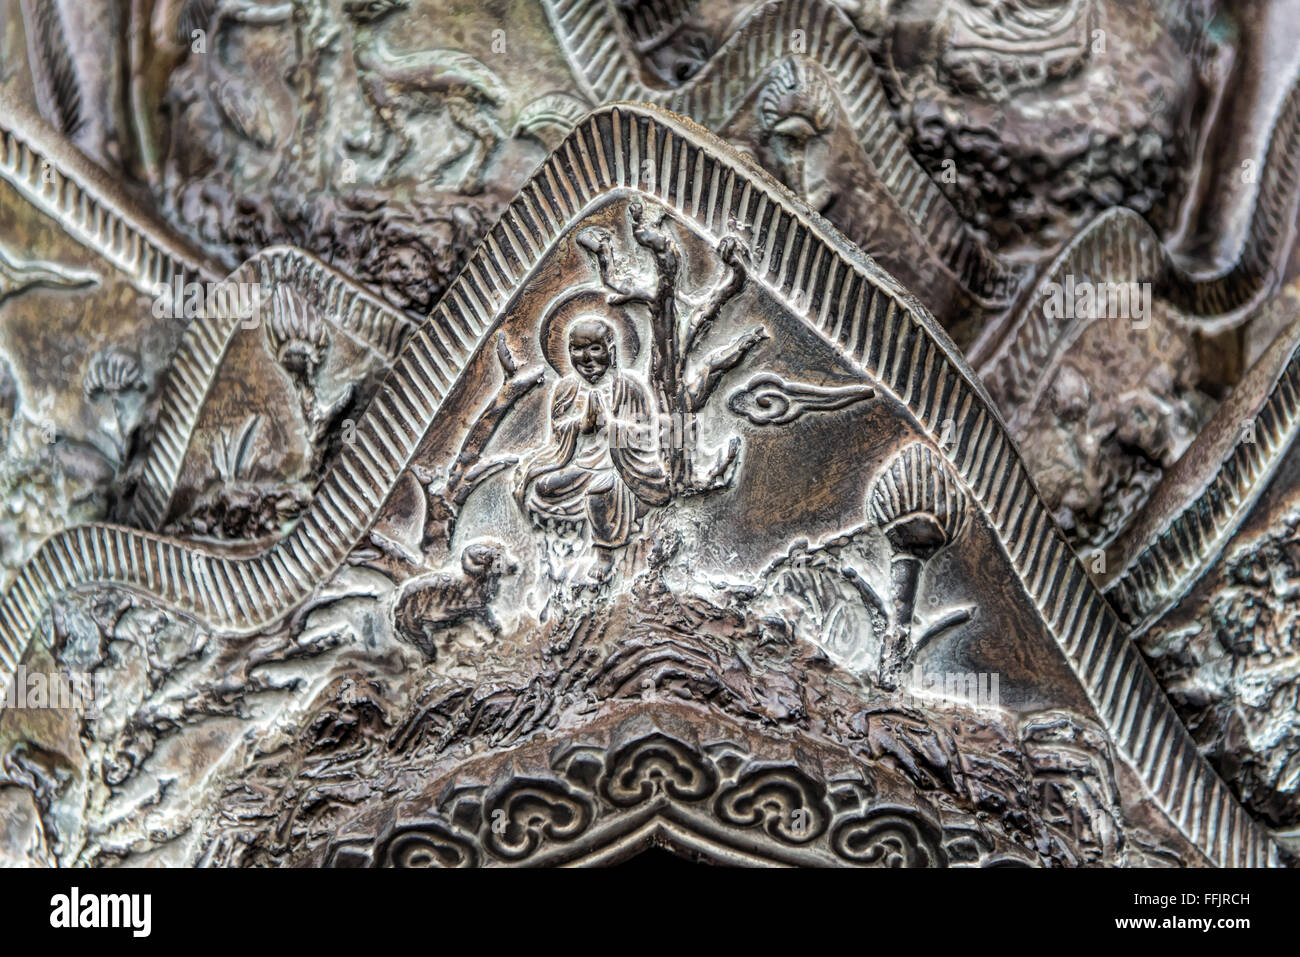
(436, 434)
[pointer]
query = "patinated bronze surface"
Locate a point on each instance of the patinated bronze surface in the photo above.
(439, 433)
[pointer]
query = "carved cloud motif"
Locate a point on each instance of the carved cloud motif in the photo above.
(768, 399)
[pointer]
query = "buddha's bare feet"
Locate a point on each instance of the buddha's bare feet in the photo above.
(602, 569)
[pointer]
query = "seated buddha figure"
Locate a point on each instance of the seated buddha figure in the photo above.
(601, 468)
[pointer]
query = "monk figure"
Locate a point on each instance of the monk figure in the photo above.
(602, 467)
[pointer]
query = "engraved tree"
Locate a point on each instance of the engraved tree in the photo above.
(300, 342)
(471, 468)
(681, 388)
(921, 509)
(115, 378)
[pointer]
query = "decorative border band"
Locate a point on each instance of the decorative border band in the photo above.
(1184, 546)
(594, 38)
(74, 194)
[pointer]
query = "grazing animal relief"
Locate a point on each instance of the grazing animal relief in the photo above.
(432, 604)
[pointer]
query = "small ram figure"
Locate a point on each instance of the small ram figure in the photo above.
(431, 604)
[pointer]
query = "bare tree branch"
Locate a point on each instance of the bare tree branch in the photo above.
(469, 471)
(720, 362)
(657, 240)
(726, 290)
(600, 244)
(513, 388)
(673, 337)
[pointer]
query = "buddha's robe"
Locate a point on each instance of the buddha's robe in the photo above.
(602, 466)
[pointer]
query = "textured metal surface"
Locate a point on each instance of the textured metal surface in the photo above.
(449, 436)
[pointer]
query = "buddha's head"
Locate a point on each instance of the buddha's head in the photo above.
(591, 347)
